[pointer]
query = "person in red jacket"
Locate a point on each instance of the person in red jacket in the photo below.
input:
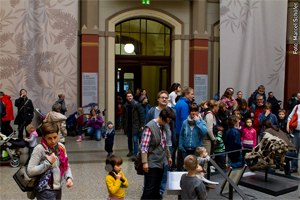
(259, 109)
(119, 115)
(5, 127)
(80, 123)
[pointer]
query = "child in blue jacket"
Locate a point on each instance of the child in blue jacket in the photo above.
(109, 135)
(267, 115)
(233, 142)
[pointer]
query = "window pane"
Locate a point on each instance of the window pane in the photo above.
(125, 26)
(118, 27)
(155, 45)
(135, 40)
(167, 45)
(124, 40)
(134, 25)
(167, 30)
(143, 25)
(143, 44)
(117, 43)
(154, 27)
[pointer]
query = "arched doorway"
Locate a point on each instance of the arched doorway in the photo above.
(176, 52)
(148, 64)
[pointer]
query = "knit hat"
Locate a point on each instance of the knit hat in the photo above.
(109, 122)
(141, 99)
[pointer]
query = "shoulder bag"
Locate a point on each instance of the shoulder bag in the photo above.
(294, 121)
(24, 181)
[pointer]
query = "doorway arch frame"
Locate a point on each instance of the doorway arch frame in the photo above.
(173, 22)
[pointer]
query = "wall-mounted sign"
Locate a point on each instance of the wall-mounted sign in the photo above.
(89, 91)
(200, 88)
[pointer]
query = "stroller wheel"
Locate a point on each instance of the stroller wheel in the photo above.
(15, 162)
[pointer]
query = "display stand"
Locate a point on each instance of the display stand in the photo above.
(268, 185)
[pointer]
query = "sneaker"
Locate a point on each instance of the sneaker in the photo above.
(292, 135)
(212, 169)
(129, 154)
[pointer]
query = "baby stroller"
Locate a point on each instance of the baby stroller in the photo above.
(10, 148)
(71, 124)
(40, 120)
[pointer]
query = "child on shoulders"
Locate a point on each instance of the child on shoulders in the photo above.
(115, 180)
(202, 156)
(191, 186)
(260, 90)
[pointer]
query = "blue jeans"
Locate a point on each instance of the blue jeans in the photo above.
(287, 161)
(79, 128)
(165, 177)
(97, 132)
(187, 152)
(136, 141)
(235, 162)
(296, 142)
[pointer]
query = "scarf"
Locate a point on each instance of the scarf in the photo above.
(109, 130)
(58, 150)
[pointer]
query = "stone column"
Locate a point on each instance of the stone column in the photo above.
(198, 41)
(292, 70)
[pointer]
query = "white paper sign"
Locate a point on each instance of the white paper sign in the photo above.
(200, 88)
(89, 91)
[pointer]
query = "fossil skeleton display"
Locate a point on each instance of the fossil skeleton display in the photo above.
(269, 152)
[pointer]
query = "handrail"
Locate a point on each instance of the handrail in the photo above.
(231, 183)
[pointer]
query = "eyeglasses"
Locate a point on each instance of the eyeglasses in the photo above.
(164, 97)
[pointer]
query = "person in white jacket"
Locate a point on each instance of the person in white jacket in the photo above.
(296, 133)
(58, 118)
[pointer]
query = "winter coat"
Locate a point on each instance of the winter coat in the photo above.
(190, 140)
(63, 109)
(60, 120)
(275, 105)
(80, 120)
(9, 109)
(228, 102)
(25, 115)
(233, 142)
(256, 124)
(270, 117)
(109, 136)
(145, 109)
(245, 115)
(97, 124)
(2, 112)
(137, 117)
(182, 112)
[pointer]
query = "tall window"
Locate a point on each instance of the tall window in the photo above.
(142, 37)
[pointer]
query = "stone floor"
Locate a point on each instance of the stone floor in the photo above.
(87, 159)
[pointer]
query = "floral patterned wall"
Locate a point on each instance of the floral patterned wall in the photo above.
(38, 51)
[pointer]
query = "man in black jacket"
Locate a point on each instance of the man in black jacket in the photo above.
(132, 122)
(25, 112)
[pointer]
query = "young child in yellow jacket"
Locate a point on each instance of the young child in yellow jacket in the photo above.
(116, 181)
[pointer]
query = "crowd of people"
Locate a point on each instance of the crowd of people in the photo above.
(177, 134)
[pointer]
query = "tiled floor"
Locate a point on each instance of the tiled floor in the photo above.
(87, 159)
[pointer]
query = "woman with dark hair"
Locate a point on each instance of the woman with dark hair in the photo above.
(192, 131)
(228, 100)
(155, 152)
(174, 89)
(267, 127)
(49, 159)
(95, 125)
(243, 108)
